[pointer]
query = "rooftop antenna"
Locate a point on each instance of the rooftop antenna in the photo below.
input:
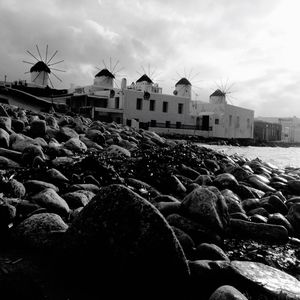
(43, 65)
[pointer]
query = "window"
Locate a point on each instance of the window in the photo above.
(180, 108)
(153, 123)
(178, 124)
(216, 121)
(117, 102)
(237, 122)
(165, 106)
(230, 120)
(248, 123)
(168, 124)
(139, 103)
(152, 105)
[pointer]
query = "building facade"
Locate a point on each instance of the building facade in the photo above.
(144, 102)
(267, 131)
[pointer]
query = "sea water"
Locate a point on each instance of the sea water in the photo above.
(278, 156)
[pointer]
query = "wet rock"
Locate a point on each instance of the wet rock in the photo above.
(244, 192)
(198, 232)
(225, 181)
(278, 204)
(62, 161)
(11, 154)
(125, 239)
(168, 208)
(85, 186)
(271, 282)
(210, 252)
(227, 292)
(90, 144)
(250, 204)
(66, 133)
(233, 202)
(188, 172)
(96, 136)
(258, 211)
(116, 150)
(165, 198)
(241, 174)
(175, 186)
(76, 145)
(5, 123)
(203, 180)
(239, 216)
(142, 188)
(39, 231)
(49, 199)
(258, 231)
(294, 186)
(206, 207)
(14, 188)
(36, 186)
(7, 214)
(259, 184)
(293, 217)
(37, 128)
(76, 199)
(56, 177)
(211, 165)
(185, 241)
(279, 219)
(31, 152)
(4, 138)
(6, 163)
(256, 218)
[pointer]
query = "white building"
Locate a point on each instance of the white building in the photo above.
(143, 101)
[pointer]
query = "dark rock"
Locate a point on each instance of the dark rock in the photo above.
(210, 252)
(203, 180)
(258, 231)
(250, 204)
(38, 128)
(256, 218)
(36, 186)
(258, 211)
(225, 181)
(14, 188)
(56, 177)
(227, 292)
(257, 183)
(76, 199)
(6, 163)
(240, 216)
(294, 186)
(185, 241)
(206, 207)
(142, 188)
(198, 232)
(7, 214)
(165, 198)
(5, 123)
(49, 199)
(278, 204)
(188, 172)
(168, 208)
(233, 202)
(66, 133)
(39, 231)
(4, 138)
(11, 154)
(30, 152)
(279, 219)
(124, 239)
(85, 186)
(293, 217)
(75, 145)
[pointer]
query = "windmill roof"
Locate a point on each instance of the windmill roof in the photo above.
(40, 66)
(217, 93)
(105, 72)
(144, 78)
(183, 81)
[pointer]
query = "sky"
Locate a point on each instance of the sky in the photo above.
(249, 48)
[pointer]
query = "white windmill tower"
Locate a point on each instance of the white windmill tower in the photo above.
(42, 69)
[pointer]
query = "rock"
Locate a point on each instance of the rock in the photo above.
(11, 154)
(5, 123)
(90, 144)
(36, 186)
(258, 231)
(198, 232)
(241, 174)
(76, 145)
(278, 204)
(56, 177)
(143, 188)
(240, 216)
(227, 292)
(175, 186)
(125, 239)
(49, 199)
(250, 204)
(188, 172)
(4, 139)
(6, 163)
(272, 282)
(203, 180)
(76, 199)
(85, 186)
(293, 217)
(257, 183)
(256, 218)
(96, 136)
(51, 121)
(209, 252)
(244, 192)
(185, 241)
(62, 162)
(294, 187)
(279, 219)
(116, 150)
(39, 231)
(7, 214)
(168, 208)
(3, 112)
(31, 152)
(225, 181)
(67, 133)
(206, 207)
(233, 202)
(14, 188)
(37, 128)
(165, 198)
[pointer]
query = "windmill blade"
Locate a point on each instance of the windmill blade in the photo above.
(109, 63)
(194, 76)
(115, 66)
(28, 62)
(104, 63)
(190, 73)
(38, 50)
(98, 68)
(117, 84)
(178, 75)
(143, 69)
(58, 62)
(31, 54)
(121, 69)
(46, 53)
(57, 70)
(36, 77)
(52, 57)
(51, 83)
(56, 77)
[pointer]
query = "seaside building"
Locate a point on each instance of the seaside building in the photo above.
(267, 131)
(143, 104)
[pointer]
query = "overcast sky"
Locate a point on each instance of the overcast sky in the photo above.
(252, 45)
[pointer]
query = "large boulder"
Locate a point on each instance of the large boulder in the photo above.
(227, 292)
(126, 241)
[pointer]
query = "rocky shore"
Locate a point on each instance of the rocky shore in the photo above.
(93, 210)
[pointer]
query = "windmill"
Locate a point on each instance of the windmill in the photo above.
(107, 75)
(151, 74)
(43, 68)
(183, 87)
(224, 89)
